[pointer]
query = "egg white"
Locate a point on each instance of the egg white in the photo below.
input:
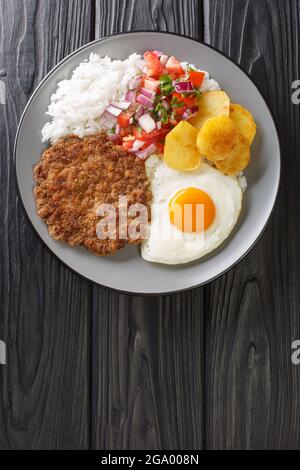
(168, 245)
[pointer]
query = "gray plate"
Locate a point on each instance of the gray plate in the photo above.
(126, 271)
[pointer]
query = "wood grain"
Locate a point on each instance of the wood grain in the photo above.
(180, 16)
(147, 374)
(252, 388)
(147, 369)
(90, 368)
(44, 310)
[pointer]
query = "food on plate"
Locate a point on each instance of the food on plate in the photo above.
(219, 195)
(226, 141)
(211, 104)
(181, 151)
(79, 106)
(75, 176)
(238, 159)
(244, 122)
(217, 138)
(157, 131)
(138, 101)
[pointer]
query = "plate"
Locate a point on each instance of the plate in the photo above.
(127, 271)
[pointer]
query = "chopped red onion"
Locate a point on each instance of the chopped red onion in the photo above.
(147, 123)
(159, 126)
(164, 59)
(195, 109)
(144, 154)
(135, 82)
(124, 105)
(144, 101)
(186, 115)
(114, 138)
(184, 87)
(151, 84)
(148, 93)
(138, 144)
(107, 121)
(106, 125)
(114, 111)
(131, 121)
(139, 113)
(118, 129)
(158, 53)
(131, 96)
(165, 105)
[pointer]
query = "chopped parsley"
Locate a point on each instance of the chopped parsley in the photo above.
(166, 85)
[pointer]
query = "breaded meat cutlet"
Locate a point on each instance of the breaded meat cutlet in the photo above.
(75, 176)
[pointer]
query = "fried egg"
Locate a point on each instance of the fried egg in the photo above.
(193, 213)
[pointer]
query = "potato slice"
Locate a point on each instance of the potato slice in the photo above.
(181, 151)
(238, 159)
(244, 121)
(211, 104)
(217, 138)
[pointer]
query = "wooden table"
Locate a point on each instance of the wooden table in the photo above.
(208, 369)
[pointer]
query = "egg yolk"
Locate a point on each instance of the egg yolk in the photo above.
(187, 208)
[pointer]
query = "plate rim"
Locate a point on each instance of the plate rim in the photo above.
(112, 289)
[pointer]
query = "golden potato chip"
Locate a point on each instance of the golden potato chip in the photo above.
(217, 138)
(181, 151)
(244, 121)
(211, 104)
(238, 159)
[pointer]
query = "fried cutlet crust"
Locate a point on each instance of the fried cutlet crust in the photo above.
(75, 176)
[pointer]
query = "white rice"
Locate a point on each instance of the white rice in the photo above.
(242, 182)
(78, 103)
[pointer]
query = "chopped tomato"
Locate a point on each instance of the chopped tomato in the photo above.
(174, 68)
(124, 119)
(128, 145)
(180, 111)
(197, 78)
(155, 136)
(189, 101)
(178, 97)
(160, 147)
(154, 67)
(126, 132)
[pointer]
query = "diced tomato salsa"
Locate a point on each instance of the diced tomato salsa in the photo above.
(166, 94)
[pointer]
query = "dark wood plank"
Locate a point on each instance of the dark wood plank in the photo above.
(180, 16)
(147, 365)
(147, 382)
(44, 309)
(252, 388)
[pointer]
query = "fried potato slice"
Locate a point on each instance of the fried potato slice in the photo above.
(217, 138)
(211, 104)
(238, 159)
(181, 151)
(244, 121)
